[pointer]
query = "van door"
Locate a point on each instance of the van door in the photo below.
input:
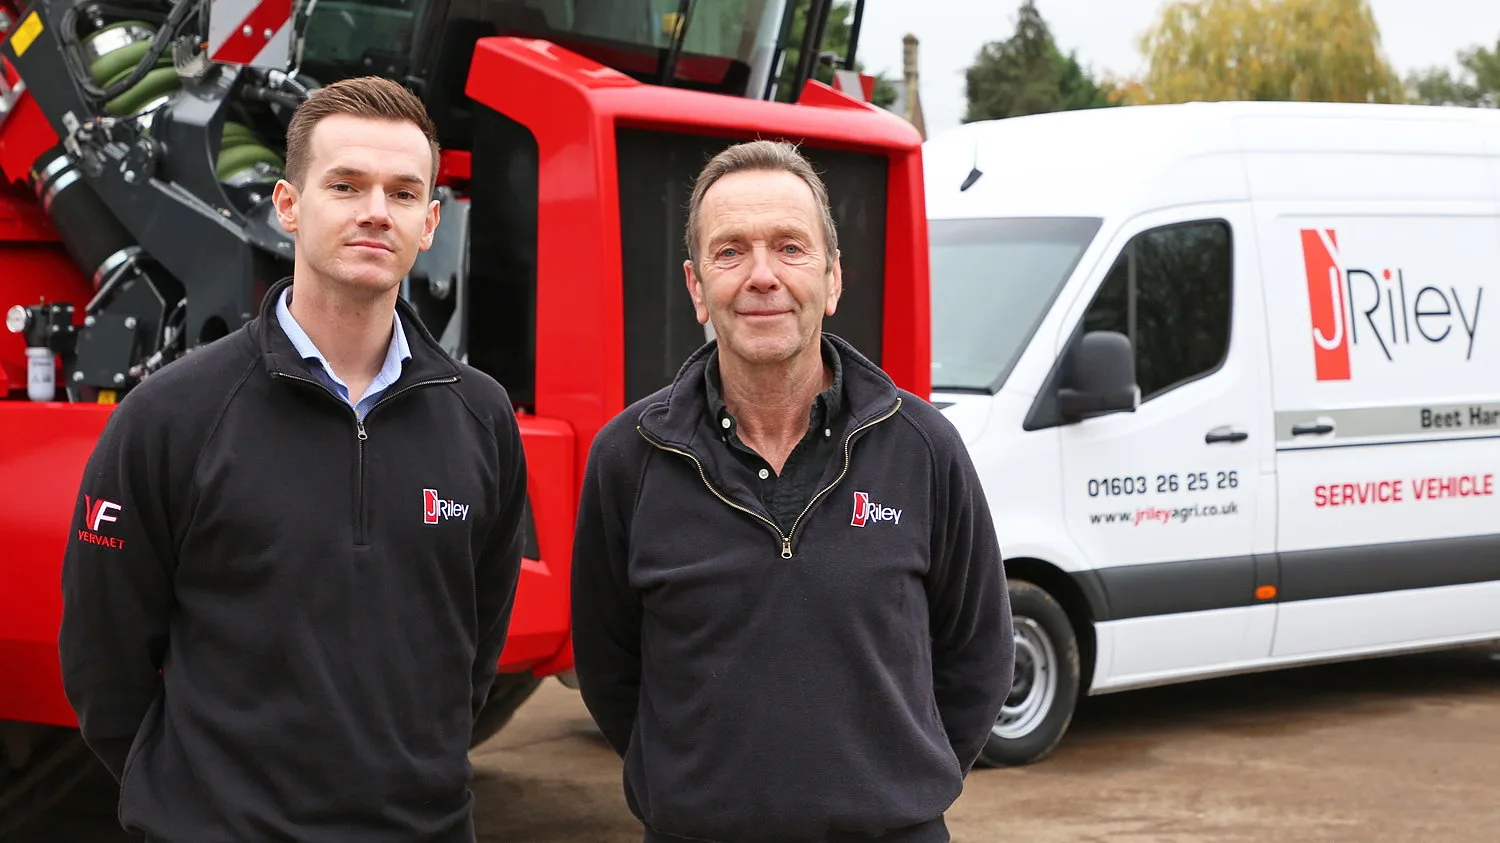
(1170, 504)
(1386, 351)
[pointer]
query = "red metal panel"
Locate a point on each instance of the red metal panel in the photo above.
(25, 135)
(22, 218)
(539, 622)
(39, 476)
(454, 165)
(908, 308)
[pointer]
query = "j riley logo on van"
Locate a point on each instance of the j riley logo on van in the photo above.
(1360, 306)
(435, 508)
(866, 510)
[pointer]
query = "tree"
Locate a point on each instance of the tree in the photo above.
(1027, 74)
(1305, 50)
(836, 35)
(1477, 85)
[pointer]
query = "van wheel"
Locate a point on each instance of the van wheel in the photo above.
(1045, 688)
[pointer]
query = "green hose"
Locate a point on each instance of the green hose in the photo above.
(110, 65)
(236, 159)
(236, 134)
(158, 83)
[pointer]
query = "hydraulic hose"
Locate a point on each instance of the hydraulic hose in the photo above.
(169, 29)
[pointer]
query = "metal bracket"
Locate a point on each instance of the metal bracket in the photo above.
(189, 61)
(439, 279)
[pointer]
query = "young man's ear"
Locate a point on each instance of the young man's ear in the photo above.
(284, 199)
(434, 216)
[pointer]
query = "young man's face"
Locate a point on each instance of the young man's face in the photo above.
(363, 210)
(766, 280)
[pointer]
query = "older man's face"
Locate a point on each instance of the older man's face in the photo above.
(765, 279)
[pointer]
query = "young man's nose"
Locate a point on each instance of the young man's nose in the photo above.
(374, 210)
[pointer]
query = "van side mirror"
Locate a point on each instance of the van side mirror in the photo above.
(1100, 378)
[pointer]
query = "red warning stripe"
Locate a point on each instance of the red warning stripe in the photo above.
(240, 48)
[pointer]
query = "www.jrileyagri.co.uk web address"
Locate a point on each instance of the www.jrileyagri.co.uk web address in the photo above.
(1163, 515)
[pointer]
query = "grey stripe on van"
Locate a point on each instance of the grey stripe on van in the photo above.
(1166, 588)
(1386, 425)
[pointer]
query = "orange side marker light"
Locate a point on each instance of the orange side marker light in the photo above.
(1265, 592)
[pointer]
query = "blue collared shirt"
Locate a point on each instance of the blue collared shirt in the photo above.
(397, 353)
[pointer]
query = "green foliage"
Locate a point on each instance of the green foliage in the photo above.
(835, 40)
(1477, 85)
(1305, 50)
(1028, 74)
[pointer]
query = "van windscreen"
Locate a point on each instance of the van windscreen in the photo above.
(992, 282)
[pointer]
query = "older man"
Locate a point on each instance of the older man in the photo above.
(790, 614)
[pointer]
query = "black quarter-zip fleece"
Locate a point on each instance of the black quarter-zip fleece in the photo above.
(785, 492)
(325, 599)
(830, 681)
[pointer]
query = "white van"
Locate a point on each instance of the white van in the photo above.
(1231, 375)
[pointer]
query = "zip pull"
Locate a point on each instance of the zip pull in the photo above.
(786, 547)
(359, 427)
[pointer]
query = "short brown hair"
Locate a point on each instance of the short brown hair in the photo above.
(374, 97)
(774, 156)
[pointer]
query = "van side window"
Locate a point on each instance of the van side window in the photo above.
(1170, 292)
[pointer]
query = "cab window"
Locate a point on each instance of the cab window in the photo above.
(1170, 292)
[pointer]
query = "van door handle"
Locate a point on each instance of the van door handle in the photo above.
(1305, 429)
(1224, 434)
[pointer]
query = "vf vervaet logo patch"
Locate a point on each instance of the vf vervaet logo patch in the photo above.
(866, 510)
(96, 513)
(1357, 306)
(436, 509)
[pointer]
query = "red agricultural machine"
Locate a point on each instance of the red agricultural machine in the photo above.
(140, 140)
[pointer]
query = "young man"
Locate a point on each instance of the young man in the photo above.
(790, 615)
(291, 641)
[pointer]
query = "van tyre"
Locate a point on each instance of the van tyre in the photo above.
(1044, 691)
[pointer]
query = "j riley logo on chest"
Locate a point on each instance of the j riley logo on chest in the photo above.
(436, 509)
(866, 510)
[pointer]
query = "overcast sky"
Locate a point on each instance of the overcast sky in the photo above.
(1414, 33)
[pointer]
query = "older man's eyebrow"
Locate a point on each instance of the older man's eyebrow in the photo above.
(777, 231)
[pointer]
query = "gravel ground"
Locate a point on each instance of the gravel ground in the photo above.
(1400, 749)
